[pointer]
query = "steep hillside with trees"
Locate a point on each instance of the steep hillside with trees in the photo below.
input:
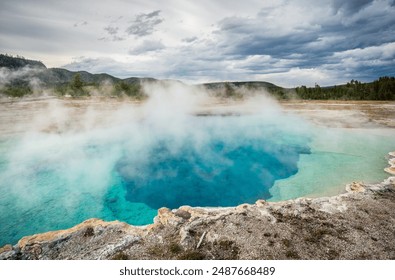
(16, 62)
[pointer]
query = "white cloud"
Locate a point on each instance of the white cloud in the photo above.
(206, 40)
(382, 52)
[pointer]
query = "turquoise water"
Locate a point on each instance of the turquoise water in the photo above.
(127, 171)
(338, 156)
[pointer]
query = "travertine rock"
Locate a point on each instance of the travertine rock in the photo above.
(355, 187)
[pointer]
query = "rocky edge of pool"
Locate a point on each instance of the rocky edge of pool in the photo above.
(359, 224)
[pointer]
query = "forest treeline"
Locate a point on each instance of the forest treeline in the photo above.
(381, 89)
(21, 76)
(15, 62)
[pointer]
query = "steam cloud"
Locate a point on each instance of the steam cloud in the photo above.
(64, 161)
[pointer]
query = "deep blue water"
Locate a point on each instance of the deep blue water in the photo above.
(50, 182)
(224, 175)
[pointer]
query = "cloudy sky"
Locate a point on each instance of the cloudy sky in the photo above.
(287, 42)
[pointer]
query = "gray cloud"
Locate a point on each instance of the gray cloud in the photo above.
(250, 37)
(350, 6)
(77, 24)
(330, 43)
(325, 42)
(189, 39)
(113, 34)
(147, 46)
(144, 24)
(111, 30)
(29, 27)
(98, 65)
(312, 42)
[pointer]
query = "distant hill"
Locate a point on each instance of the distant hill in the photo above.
(16, 62)
(62, 80)
(55, 76)
(22, 73)
(24, 76)
(59, 76)
(248, 84)
(235, 89)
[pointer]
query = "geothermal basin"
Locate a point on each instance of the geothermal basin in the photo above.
(63, 161)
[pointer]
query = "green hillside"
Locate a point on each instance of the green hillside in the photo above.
(29, 76)
(16, 62)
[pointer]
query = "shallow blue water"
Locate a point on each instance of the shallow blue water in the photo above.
(127, 171)
(50, 182)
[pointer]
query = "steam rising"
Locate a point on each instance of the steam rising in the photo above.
(64, 161)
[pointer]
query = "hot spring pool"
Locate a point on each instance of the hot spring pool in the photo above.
(127, 171)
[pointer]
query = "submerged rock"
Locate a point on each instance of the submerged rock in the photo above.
(391, 162)
(390, 170)
(355, 187)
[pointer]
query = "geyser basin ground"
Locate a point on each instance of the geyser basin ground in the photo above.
(57, 173)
